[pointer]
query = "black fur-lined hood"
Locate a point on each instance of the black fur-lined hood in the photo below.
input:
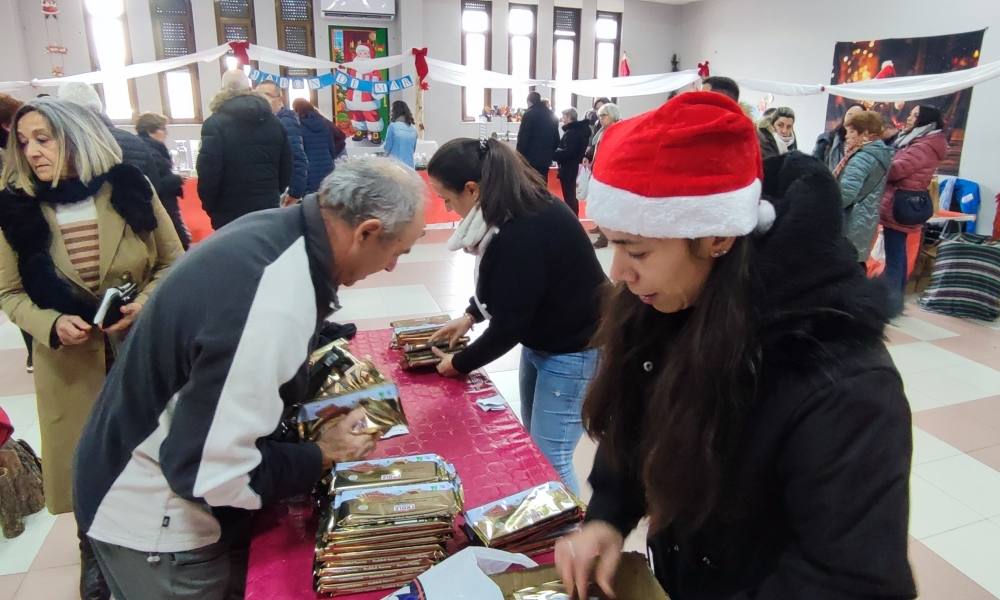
(813, 299)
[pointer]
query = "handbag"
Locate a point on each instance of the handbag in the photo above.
(912, 207)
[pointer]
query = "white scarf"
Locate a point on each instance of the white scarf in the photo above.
(783, 144)
(473, 236)
(916, 132)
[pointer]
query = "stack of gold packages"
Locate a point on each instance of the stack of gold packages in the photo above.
(413, 336)
(529, 522)
(388, 522)
(340, 382)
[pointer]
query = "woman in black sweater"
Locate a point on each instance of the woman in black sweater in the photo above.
(538, 282)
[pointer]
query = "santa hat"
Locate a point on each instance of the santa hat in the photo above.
(689, 169)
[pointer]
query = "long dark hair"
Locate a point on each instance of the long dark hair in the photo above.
(401, 109)
(508, 186)
(303, 107)
(680, 434)
(929, 114)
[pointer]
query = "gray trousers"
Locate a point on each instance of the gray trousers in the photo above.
(214, 572)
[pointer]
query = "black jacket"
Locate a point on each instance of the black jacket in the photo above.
(171, 185)
(297, 187)
(245, 161)
(541, 283)
(572, 146)
(769, 145)
(820, 499)
(538, 136)
(134, 152)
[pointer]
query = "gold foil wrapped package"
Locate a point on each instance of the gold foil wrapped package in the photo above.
(553, 590)
(333, 370)
(413, 337)
(532, 519)
(383, 410)
(404, 470)
(394, 504)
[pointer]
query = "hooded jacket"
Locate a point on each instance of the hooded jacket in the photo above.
(572, 147)
(912, 169)
(865, 173)
(300, 163)
(245, 161)
(319, 145)
(820, 491)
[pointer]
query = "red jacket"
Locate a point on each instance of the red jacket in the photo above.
(912, 169)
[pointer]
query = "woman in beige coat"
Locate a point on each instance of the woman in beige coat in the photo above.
(75, 222)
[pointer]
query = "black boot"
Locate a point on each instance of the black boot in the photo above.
(92, 584)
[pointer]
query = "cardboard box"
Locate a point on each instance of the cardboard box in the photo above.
(633, 580)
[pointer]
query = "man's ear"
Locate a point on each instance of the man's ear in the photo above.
(370, 228)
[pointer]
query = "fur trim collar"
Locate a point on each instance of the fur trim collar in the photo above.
(225, 95)
(28, 233)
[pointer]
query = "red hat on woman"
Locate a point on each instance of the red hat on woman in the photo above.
(689, 169)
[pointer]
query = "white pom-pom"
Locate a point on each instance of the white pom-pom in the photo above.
(765, 216)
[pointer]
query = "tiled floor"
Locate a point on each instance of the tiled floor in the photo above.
(951, 369)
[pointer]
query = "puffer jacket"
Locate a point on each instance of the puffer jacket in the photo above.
(245, 161)
(300, 163)
(134, 152)
(320, 149)
(912, 169)
(818, 503)
(865, 172)
(830, 148)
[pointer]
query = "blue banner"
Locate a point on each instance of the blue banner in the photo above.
(338, 78)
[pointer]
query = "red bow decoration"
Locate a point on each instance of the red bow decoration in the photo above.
(420, 62)
(703, 69)
(240, 52)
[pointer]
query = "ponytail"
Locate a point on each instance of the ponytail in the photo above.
(508, 186)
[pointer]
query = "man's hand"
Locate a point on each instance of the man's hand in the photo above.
(445, 367)
(289, 201)
(72, 330)
(130, 312)
(343, 440)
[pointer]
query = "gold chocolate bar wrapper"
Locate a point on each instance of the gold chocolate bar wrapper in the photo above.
(553, 590)
(525, 510)
(420, 563)
(360, 374)
(381, 415)
(394, 573)
(441, 527)
(367, 475)
(385, 541)
(378, 509)
(349, 557)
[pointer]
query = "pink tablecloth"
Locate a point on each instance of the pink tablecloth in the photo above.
(492, 452)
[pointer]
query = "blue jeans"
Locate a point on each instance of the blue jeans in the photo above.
(895, 268)
(552, 390)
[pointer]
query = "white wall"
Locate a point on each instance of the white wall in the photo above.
(792, 40)
(15, 62)
(650, 35)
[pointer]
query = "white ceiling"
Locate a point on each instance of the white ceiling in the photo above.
(674, 1)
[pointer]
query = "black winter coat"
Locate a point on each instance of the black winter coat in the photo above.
(572, 147)
(320, 147)
(538, 137)
(171, 185)
(134, 152)
(819, 496)
(300, 162)
(245, 162)
(769, 145)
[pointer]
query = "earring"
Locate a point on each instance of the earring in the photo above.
(717, 254)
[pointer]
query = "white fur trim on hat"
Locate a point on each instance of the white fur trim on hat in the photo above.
(733, 213)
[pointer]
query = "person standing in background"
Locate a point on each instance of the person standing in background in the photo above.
(862, 174)
(608, 114)
(538, 135)
(318, 141)
(152, 129)
(290, 121)
(830, 145)
(245, 161)
(777, 134)
(401, 137)
(569, 155)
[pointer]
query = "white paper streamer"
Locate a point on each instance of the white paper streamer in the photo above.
(137, 70)
(290, 59)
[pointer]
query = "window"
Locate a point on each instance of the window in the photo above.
(521, 50)
(109, 49)
(234, 22)
(608, 33)
(296, 34)
(476, 53)
(565, 53)
(173, 35)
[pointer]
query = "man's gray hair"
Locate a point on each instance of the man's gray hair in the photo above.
(374, 188)
(571, 113)
(612, 111)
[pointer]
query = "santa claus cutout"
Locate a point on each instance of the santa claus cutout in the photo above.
(364, 106)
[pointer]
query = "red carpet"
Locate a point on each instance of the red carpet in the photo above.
(200, 226)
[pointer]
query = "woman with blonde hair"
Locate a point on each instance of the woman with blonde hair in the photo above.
(76, 222)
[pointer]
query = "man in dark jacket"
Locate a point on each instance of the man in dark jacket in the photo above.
(569, 155)
(288, 118)
(538, 135)
(152, 130)
(134, 152)
(245, 161)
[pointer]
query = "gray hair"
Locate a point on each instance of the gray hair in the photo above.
(571, 113)
(82, 137)
(362, 188)
(612, 111)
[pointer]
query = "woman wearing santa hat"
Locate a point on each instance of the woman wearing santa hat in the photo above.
(745, 401)
(538, 283)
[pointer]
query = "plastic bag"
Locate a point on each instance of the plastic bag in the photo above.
(582, 182)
